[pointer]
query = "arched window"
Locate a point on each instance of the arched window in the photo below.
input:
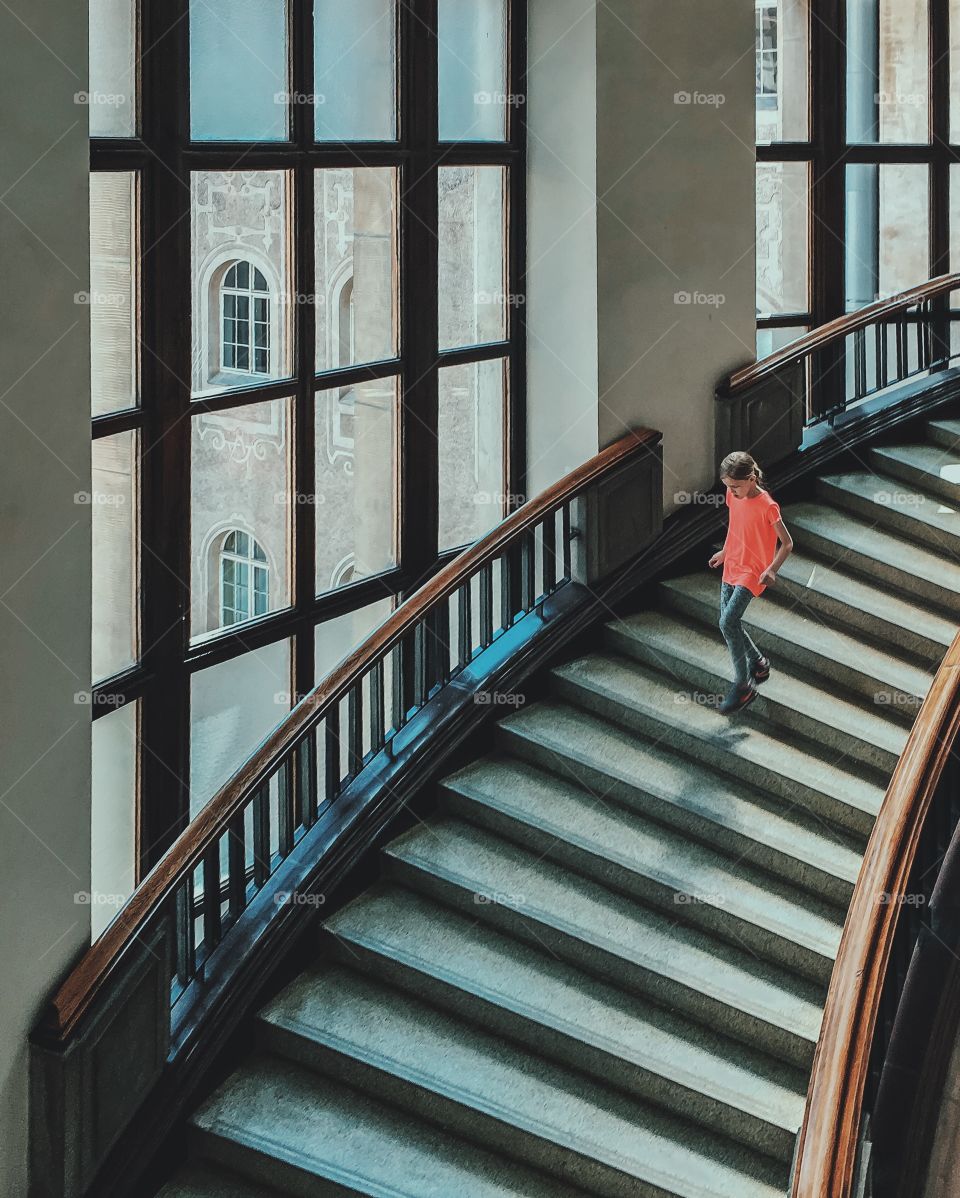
(244, 579)
(245, 320)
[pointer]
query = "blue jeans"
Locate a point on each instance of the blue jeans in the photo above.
(743, 652)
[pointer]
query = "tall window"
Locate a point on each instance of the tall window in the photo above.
(310, 390)
(244, 579)
(245, 308)
(853, 199)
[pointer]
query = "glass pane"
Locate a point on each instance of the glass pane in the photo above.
(239, 82)
(783, 69)
(471, 433)
(887, 240)
(356, 482)
(114, 502)
(241, 218)
(357, 265)
(113, 291)
(888, 104)
(240, 482)
(335, 638)
(782, 237)
(355, 74)
(233, 707)
(114, 814)
(112, 97)
(473, 70)
(472, 282)
(770, 340)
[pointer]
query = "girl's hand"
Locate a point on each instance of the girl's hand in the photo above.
(716, 560)
(768, 578)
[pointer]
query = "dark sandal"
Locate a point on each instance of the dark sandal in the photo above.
(738, 697)
(760, 670)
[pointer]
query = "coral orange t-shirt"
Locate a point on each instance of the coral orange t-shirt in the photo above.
(751, 543)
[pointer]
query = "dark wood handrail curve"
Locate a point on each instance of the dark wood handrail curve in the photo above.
(830, 1133)
(199, 842)
(837, 330)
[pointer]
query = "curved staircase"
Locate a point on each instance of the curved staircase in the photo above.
(599, 967)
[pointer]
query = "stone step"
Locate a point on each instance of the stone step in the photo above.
(879, 616)
(944, 432)
(619, 849)
(506, 1099)
(923, 464)
(198, 1180)
(697, 663)
(685, 795)
(525, 995)
(282, 1124)
(644, 702)
(671, 963)
(791, 632)
(904, 510)
(889, 562)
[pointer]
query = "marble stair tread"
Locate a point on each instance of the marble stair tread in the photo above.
(905, 509)
(577, 1129)
(925, 463)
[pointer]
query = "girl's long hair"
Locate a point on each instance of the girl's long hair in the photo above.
(739, 465)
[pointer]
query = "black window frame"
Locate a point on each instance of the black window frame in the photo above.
(163, 158)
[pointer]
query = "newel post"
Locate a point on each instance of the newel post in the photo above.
(765, 419)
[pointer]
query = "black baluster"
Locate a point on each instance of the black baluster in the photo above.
(486, 604)
(882, 378)
(286, 813)
(376, 707)
(527, 571)
(549, 553)
(567, 543)
(859, 364)
(399, 680)
(465, 624)
(507, 585)
(306, 758)
(331, 753)
(186, 945)
(355, 728)
(211, 897)
(261, 835)
(237, 865)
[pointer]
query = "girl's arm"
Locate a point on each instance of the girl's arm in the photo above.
(786, 546)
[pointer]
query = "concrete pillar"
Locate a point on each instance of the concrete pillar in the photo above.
(45, 594)
(641, 289)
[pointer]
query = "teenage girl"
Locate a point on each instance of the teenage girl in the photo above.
(750, 559)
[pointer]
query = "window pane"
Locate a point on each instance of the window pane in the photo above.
(240, 219)
(335, 638)
(113, 499)
(233, 707)
(783, 68)
(112, 97)
(471, 433)
(473, 72)
(355, 70)
(889, 106)
(114, 814)
(356, 482)
(357, 266)
(782, 237)
(239, 84)
(240, 481)
(887, 241)
(113, 291)
(770, 340)
(472, 282)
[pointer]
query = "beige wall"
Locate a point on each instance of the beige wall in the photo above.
(45, 589)
(665, 190)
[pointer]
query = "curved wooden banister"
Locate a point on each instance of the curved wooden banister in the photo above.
(77, 994)
(836, 330)
(827, 1147)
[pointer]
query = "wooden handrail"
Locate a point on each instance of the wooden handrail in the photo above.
(744, 378)
(78, 992)
(827, 1147)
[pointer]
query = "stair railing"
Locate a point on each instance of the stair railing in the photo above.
(835, 373)
(136, 998)
(888, 920)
